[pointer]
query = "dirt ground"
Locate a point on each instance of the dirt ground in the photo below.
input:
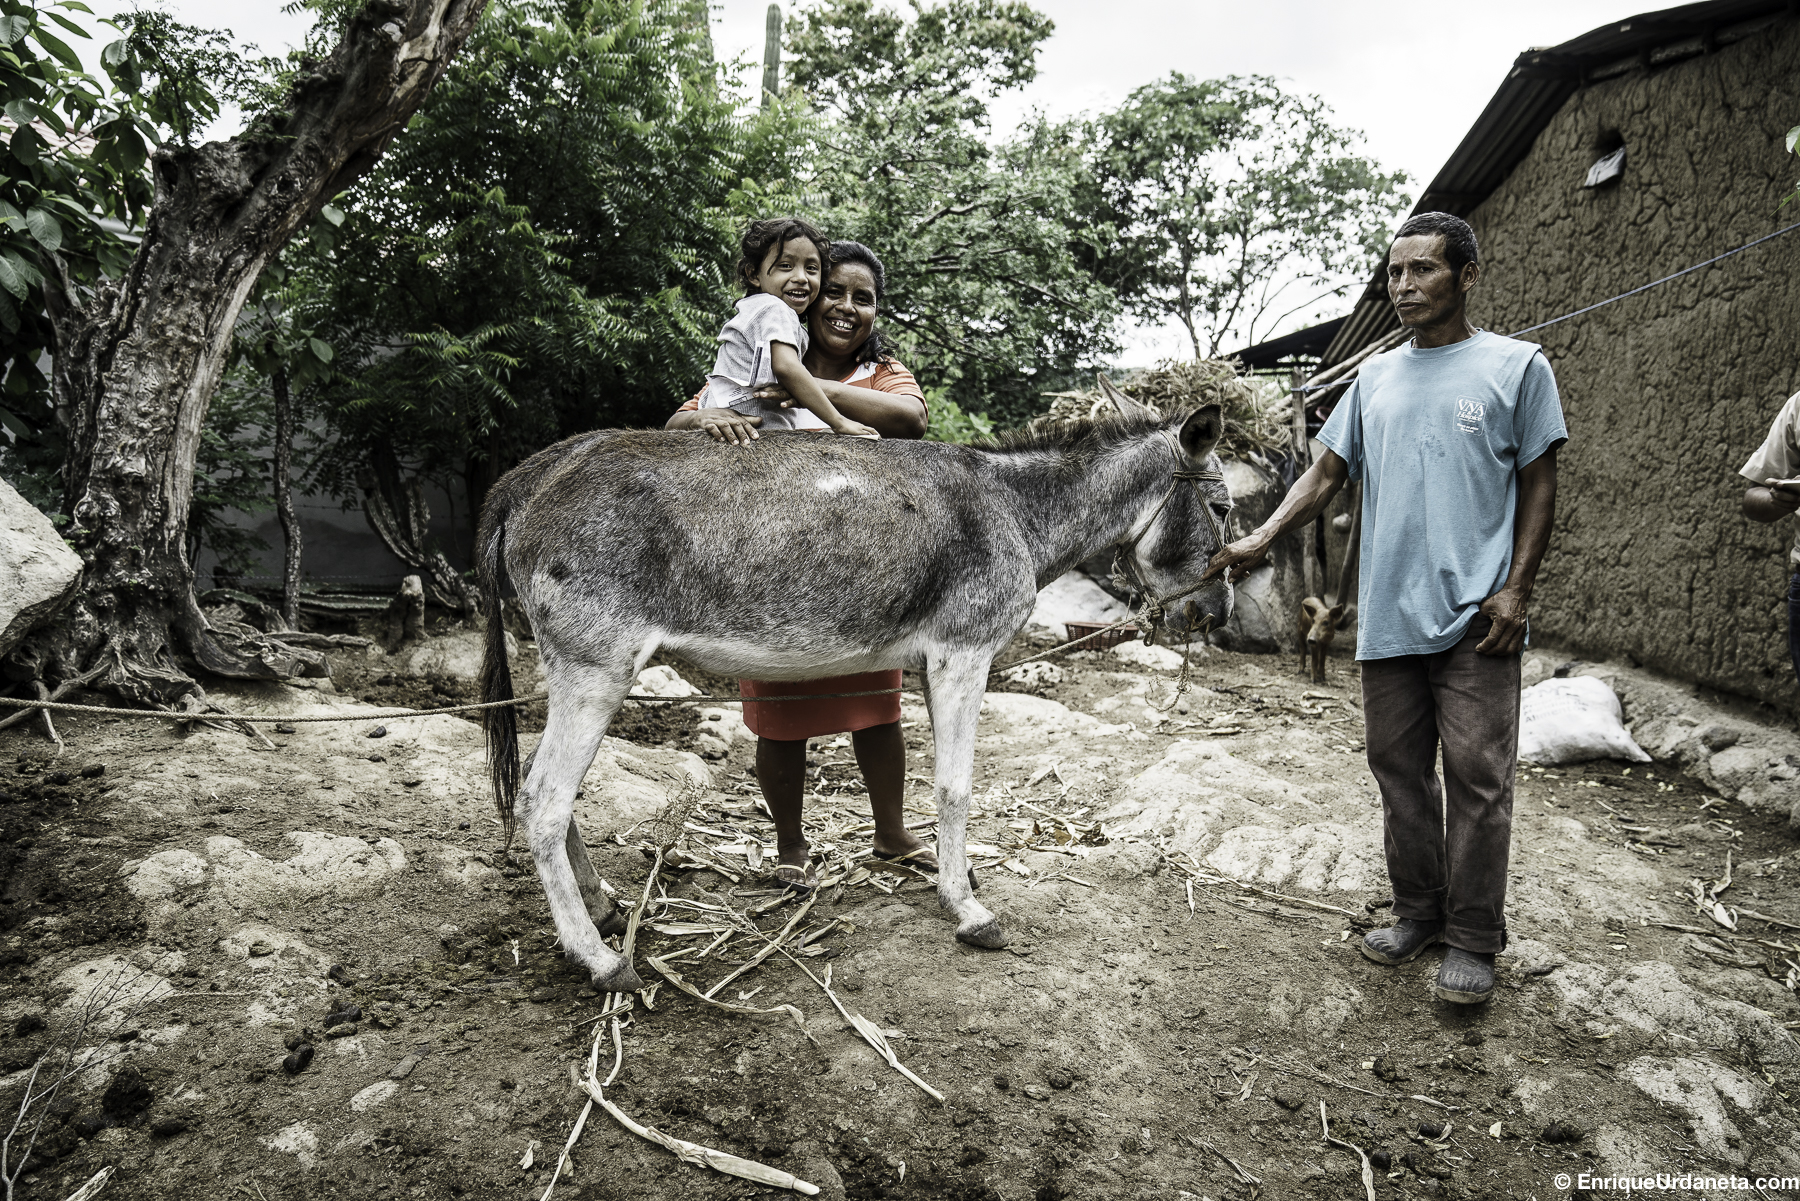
(192, 903)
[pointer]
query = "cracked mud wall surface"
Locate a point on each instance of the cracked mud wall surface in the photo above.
(1668, 393)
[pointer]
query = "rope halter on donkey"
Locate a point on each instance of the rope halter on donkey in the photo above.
(1154, 611)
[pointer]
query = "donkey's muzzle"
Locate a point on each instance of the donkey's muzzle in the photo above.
(1200, 614)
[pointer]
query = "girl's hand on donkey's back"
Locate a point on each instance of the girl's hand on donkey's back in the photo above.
(727, 425)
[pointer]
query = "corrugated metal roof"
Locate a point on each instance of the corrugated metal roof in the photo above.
(1306, 343)
(1534, 91)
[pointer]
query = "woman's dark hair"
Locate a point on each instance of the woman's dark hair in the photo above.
(773, 232)
(856, 252)
(1460, 248)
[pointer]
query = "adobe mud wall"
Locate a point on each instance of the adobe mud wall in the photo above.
(1667, 393)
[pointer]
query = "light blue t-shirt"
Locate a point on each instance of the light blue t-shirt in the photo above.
(1438, 437)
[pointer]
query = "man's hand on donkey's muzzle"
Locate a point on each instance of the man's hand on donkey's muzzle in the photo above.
(1241, 557)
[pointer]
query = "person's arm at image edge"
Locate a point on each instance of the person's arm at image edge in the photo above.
(1763, 503)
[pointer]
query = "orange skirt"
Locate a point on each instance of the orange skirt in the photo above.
(804, 717)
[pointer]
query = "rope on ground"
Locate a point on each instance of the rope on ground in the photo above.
(1530, 329)
(399, 714)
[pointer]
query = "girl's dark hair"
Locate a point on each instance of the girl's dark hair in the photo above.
(773, 232)
(856, 252)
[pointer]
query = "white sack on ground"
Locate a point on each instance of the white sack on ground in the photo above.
(1572, 721)
(1074, 597)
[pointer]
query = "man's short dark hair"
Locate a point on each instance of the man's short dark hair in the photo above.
(1459, 240)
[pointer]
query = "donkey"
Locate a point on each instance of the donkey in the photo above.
(803, 556)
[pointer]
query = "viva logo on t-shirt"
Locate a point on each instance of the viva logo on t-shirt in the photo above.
(1468, 416)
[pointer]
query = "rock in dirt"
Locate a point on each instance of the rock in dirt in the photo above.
(128, 1095)
(342, 1030)
(1037, 1092)
(38, 572)
(806, 1159)
(404, 1068)
(1562, 1132)
(169, 1126)
(1288, 1095)
(1060, 1079)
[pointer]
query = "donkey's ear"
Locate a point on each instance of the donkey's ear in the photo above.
(1201, 431)
(1127, 407)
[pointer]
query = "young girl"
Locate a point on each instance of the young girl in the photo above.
(781, 263)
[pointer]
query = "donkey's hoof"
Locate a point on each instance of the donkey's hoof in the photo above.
(623, 979)
(987, 935)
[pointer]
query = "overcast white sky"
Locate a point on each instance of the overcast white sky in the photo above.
(1412, 78)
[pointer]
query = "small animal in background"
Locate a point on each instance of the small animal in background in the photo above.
(1317, 625)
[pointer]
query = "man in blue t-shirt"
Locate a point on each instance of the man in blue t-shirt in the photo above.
(1454, 436)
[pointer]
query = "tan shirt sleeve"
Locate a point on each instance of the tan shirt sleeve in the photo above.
(1778, 458)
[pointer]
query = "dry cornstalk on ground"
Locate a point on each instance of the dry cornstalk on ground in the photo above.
(1258, 415)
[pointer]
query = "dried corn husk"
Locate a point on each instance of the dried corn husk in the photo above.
(1258, 415)
(705, 1157)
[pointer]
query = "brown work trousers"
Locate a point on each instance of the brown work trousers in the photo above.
(1447, 843)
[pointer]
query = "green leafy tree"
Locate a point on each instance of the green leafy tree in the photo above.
(1229, 205)
(545, 252)
(986, 297)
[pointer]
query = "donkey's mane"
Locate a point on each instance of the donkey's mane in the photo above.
(1080, 439)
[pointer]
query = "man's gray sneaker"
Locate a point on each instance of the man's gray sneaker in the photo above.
(1465, 977)
(1401, 942)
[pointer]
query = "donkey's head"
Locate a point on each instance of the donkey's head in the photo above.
(1173, 550)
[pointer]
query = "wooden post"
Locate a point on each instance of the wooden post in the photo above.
(1309, 553)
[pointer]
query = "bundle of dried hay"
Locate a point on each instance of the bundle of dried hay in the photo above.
(1258, 414)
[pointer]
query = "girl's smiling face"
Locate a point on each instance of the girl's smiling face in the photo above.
(846, 313)
(791, 270)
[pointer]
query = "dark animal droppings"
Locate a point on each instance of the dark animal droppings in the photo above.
(93, 771)
(1562, 1132)
(168, 1127)
(282, 727)
(378, 732)
(31, 1023)
(298, 1059)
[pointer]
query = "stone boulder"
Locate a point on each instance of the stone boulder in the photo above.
(38, 573)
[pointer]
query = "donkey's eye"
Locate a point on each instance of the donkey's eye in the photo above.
(1221, 508)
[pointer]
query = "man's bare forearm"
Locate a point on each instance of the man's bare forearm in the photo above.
(1531, 529)
(1311, 494)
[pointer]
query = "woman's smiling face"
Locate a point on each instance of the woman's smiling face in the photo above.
(845, 314)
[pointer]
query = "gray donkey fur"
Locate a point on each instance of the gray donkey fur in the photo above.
(803, 556)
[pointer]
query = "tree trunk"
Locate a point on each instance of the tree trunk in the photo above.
(284, 500)
(136, 360)
(396, 511)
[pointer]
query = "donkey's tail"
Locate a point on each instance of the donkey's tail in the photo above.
(501, 724)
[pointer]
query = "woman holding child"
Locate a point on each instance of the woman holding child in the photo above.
(828, 374)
